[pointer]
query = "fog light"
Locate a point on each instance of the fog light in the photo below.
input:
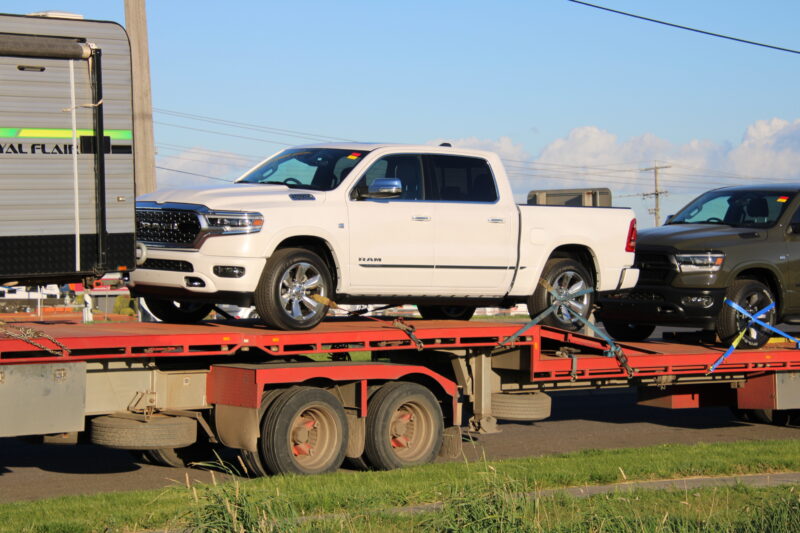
(194, 282)
(697, 301)
(229, 271)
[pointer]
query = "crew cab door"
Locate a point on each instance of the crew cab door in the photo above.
(391, 240)
(475, 233)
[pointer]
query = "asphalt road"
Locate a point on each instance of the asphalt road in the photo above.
(598, 419)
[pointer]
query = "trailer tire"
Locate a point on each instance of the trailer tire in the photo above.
(178, 312)
(521, 407)
(130, 434)
(564, 275)
(304, 432)
(776, 417)
(404, 426)
(623, 331)
(446, 312)
(252, 460)
(284, 301)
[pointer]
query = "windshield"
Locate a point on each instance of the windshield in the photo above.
(319, 169)
(741, 209)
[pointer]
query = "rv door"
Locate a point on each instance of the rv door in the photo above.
(48, 222)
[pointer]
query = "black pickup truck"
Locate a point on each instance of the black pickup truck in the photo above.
(742, 243)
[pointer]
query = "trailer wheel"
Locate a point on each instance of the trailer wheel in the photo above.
(565, 276)
(751, 295)
(178, 312)
(623, 331)
(284, 296)
(252, 460)
(304, 432)
(776, 417)
(446, 312)
(404, 426)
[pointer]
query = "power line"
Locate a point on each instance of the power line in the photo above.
(255, 127)
(221, 133)
(194, 174)
(687, 28)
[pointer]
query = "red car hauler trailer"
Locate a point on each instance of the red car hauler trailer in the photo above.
(293, 401)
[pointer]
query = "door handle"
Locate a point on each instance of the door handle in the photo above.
(497, 220)
(421, 219)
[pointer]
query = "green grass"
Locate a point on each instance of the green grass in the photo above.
(362, 494)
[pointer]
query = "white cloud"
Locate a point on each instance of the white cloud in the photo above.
(503, 146)
(199, 166)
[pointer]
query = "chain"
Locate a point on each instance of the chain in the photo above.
(28, 334)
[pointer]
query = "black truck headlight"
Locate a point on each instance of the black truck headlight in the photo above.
(234, 222)
(702, 262)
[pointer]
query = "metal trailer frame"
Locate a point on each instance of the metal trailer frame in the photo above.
(225, 369)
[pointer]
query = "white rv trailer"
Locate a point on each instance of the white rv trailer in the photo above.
(66, 207)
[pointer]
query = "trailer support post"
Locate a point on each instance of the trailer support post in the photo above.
(485, 382)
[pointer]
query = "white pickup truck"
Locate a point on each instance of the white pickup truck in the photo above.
(373, 223)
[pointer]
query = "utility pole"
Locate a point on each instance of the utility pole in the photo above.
(657, 193)
(143, 139)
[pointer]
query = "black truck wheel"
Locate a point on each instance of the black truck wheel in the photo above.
(446, 312)
(752, 296)
(404, 426)
(178, 312)
(623, 331)
(285, 294)
(304, 432)
(565, 276)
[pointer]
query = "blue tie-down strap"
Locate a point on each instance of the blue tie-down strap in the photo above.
(559, 300)
(753, 321)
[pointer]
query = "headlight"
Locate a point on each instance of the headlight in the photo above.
(707, 262)
(233, 222)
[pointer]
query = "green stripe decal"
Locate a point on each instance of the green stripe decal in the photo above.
(60, 133)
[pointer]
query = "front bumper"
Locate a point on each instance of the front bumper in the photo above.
(662, 305)
(193, 272)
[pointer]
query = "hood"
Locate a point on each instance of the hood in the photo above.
(697, 237)
(238, 197)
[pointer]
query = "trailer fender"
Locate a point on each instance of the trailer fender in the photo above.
(237, 391)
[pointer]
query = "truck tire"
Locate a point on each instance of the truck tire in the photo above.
(178, 312)
(776, 417)
(284, 294)
(404, 426)
(131, 434)
(564, 276)
(751, 295)
(623, 331)
(522, 407)
(304, 432)
(446, 312)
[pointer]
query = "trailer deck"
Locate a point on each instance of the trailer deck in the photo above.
(584, 359)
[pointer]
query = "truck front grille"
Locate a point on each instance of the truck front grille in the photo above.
(654, 267)
(171, 265)
(169, 227)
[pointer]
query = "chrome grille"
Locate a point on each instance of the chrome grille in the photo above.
(174, 227)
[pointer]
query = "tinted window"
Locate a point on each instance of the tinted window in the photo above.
(738, 208)
(462, 179)
(406, 168)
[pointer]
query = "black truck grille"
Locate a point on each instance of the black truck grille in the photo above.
(654, 267)
(167, 226)
(171, 265)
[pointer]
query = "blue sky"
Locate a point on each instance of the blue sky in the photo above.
(572, 96)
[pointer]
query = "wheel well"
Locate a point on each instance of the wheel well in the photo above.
(766, 277)
(317, 245)
(581, 254)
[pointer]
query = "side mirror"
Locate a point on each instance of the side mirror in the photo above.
(385, 188)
